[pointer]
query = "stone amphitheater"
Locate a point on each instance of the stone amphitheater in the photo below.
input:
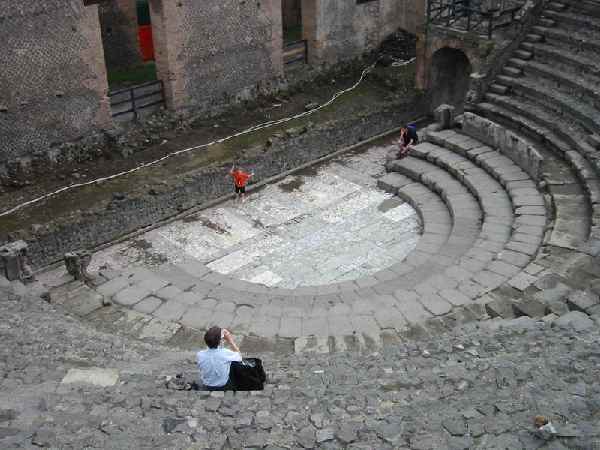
(493, 317)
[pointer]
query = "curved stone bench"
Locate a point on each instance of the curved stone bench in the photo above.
(436, 278)
(563, 104)
(505, 252)
(569, 38)
(577, 235)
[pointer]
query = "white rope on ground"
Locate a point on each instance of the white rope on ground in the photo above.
(260, 126)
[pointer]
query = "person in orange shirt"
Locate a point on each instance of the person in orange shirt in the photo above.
(240, 179)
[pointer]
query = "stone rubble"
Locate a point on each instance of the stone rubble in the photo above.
(479, 387)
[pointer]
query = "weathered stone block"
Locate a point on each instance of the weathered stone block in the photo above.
(77, 264)
(575, 320)
(13, 261)
(509, 144)
(500, 308)
(530, 308)
(95, 376)
(444, 116)
(582, 300)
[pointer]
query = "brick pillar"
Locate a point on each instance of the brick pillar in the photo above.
(167, 35)
(273, 10)
(178, 64)
(310, 29)
(423, 53)
(423, 60)
(93, 56)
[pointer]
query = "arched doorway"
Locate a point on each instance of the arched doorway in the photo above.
(450, 78)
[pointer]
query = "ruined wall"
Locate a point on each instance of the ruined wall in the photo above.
(338, 30)
(52, 77)
(109, 221)
(215, 52)
(118, 20)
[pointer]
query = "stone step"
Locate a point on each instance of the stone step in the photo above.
(574, 138)
(516, 62)
(586, 115)
(472, 377)
(569, 62)
(588, 7)
(534, 38)
(540, 122)
(570, 231)
(393, 181)
(502, 169)
(556, 6)
(523, 55)
(512, 71)
(487, 270)
(530, 308)
(573, 19)
(459, 200)
(546, 22)
(499, 89)
(594, 141)
(585, 89)
(568, 39)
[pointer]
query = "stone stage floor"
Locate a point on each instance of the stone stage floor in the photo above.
(328, 224)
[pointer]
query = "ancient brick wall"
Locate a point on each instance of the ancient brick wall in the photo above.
(215, 52)
(118, 20)
(339, 30)
(52, 77)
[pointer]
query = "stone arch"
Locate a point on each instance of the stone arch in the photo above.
(450, 77)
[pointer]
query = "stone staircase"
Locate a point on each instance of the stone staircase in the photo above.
(548, 93)
(477, 386)
(488, 250)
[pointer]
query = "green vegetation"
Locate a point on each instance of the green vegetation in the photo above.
(143, 12)
(132, 76)
(292, 34)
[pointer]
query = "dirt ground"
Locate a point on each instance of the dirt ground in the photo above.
(384, 83)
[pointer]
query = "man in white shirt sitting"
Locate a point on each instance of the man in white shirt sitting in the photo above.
(215, 362)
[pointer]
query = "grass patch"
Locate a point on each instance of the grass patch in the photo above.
(132, 76)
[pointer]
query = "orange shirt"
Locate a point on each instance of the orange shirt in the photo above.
(240, 178)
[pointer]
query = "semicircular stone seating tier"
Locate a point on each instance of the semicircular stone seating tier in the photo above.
(502, 200)
(483, 221)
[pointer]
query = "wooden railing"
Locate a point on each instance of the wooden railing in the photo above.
(137, 98)
(295, 52)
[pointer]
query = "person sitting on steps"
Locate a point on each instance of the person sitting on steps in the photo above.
(408, 137)
(222, 369)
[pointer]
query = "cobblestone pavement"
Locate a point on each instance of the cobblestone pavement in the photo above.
(332, 224)
(477, 387)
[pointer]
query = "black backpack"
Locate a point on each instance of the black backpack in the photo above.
(247, 375)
